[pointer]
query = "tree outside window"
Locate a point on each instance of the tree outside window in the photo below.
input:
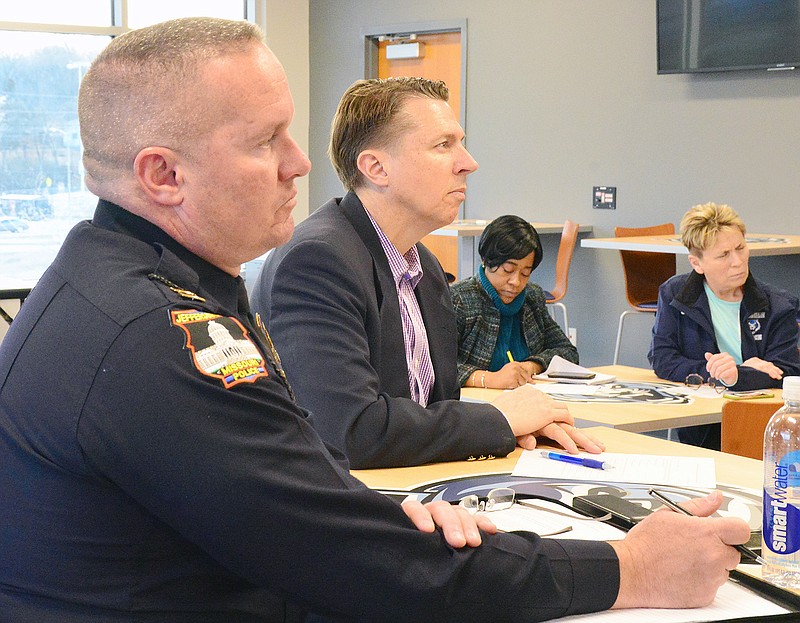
(41, 176)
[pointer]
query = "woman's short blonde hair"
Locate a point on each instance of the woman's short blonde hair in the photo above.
(701, 224)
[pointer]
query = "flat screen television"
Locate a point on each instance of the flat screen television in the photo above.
(725, 35)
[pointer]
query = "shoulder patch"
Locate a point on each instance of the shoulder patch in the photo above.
(220, 347)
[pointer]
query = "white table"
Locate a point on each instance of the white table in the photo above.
(759, 244)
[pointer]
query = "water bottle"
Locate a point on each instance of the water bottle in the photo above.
(781, 530)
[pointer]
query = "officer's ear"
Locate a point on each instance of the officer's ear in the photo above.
(157, 170)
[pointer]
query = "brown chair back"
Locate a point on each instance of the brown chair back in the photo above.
(569, 236)
(645, 272)
(743, 424)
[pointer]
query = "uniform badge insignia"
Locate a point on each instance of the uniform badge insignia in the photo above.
(220, 347)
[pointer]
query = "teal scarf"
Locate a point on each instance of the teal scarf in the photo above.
(510, 336)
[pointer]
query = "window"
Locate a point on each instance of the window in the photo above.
(45, 48)
(41, 177)
(146, 12)
(83, 13)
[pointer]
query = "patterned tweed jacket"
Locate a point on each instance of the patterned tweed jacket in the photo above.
(478, 322)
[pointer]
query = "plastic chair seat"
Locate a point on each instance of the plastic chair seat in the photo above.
(644, 273)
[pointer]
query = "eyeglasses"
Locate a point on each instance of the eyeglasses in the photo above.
(695, 381)
(495, 500)
(505, 497)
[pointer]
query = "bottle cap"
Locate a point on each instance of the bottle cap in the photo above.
(791, 388)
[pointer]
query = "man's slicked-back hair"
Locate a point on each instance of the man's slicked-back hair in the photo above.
(367, 118)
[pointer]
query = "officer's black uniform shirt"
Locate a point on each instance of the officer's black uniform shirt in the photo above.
(153, 467)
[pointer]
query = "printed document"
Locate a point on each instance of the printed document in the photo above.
(733, 601)
(679, 471)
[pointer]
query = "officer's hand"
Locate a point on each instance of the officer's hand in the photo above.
(670, 560)
(458, 526)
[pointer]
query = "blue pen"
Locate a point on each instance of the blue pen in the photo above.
(576, 460)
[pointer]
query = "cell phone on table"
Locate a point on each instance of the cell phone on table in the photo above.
(581, 376)
(749, 394)
(624, 513)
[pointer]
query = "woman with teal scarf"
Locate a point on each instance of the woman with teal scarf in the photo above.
(506, 334)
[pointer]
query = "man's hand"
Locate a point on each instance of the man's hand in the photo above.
(566, 435)
(532, 413)
(764, 366)
(458, 526)
(671, 560)
(721, 366)
(529, 410)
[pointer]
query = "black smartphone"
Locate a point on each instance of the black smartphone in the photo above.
(624, 513)
(583, 376)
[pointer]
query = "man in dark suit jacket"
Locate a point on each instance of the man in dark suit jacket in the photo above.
(332, 302)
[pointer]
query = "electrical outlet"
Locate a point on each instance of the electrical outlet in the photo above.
(604, 197)
(572, 334)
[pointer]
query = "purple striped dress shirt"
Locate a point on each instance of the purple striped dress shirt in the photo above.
(407, 271)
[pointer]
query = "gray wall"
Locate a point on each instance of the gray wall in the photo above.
(563, 95)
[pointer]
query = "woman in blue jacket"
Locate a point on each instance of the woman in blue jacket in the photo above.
(719, 321)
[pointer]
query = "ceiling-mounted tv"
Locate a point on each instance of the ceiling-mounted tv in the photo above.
(725, 35)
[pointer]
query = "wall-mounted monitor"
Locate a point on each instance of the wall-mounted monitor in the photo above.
(725, 35)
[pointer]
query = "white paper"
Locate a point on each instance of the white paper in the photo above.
(733, 601)
(559, 364)
(704, 391)
(679, 471)
(549, 518)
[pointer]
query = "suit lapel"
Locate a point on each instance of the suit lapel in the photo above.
(390, 363)
(433, 295)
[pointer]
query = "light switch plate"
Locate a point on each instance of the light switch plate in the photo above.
(604, 197)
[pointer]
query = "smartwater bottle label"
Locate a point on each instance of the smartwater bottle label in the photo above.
(781, 515)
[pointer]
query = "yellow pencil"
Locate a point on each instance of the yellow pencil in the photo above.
(510, 356)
